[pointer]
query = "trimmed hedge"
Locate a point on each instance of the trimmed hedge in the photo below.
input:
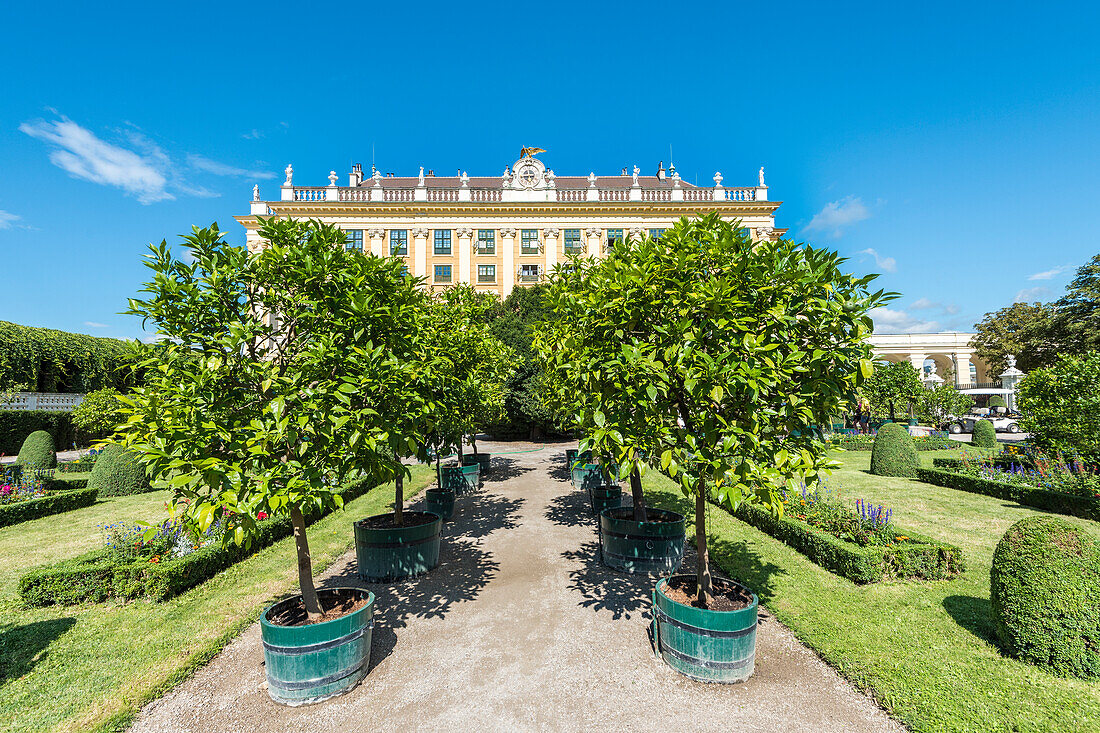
(922, 557)
(920, 442)
(1044, 586)
(893, 453)
(1000, 461)
(16, 425)
(69, 481)
(984, 435)
(62, 501)
(38, 451)
(95, 577)
(1052, 501)
(117, 472)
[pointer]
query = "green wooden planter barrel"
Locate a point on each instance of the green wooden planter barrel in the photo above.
(393, 553)
(441, 502)
(472, 475)
(311, 663)
(710, 646)
(570, 458)
(481, 459)
(653, 546)
(452, 477)
(587, 475)
(605, 497)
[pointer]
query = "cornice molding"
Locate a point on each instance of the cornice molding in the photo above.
(597, 208)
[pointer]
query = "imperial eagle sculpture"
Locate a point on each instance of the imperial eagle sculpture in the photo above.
(524, 152)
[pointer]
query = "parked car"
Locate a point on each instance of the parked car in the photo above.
(1002, 423)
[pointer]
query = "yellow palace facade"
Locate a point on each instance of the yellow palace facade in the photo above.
(501, 232)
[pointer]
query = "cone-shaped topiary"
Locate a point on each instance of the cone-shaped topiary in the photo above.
(893, 453)
(38, 451)
(984, 435)
(1044, 586)
(118, 473)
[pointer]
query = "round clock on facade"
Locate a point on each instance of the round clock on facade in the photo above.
(529, 175)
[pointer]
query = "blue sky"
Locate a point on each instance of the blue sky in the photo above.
(951, 147)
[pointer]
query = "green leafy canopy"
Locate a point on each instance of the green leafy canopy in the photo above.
(708, 353)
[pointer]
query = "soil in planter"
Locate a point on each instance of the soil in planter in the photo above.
(411, 519)
(651, 515)
(336, 603)
(725, 596)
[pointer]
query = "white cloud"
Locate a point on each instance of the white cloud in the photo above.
(888, 320)
(93, 324)
(81, 154)
(836, 215)
(1028, 295)
(7, 219)
(1048, 274)
(204, 164)
(252, 134)
(920, 304)
(924, 303)
(886, 264)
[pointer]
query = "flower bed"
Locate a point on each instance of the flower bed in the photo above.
(26, 498)
(159, 569)
(863, 546)
(1014, 490)
(936, 441)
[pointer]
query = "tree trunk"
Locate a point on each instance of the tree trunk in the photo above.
(305, 567)
(893, 418)
(399, 497)
(473, 442)
(438, 475)
(637, 495)
(702, 571)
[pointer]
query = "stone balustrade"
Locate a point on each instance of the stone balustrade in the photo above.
(48, 401)
(376, 193)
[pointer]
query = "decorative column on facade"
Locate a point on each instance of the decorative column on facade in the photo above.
(961, 363)
(377, 242)
(917, 360)
(550, 247)
(508, 264)
(636, 233)
(420, 252)
(464, 235)
(595, 241)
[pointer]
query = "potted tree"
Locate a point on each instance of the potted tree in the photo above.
(275, 380)
(729, 349)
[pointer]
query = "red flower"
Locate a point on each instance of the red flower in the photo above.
(261, 515)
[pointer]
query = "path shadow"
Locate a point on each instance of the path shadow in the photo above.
(22, 647)
(571, 510)
(973, 614)
(603, 589)
(463, 572)
(478, 515)
(559, 472)
(504, 469)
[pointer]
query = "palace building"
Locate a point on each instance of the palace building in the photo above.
(500, 232)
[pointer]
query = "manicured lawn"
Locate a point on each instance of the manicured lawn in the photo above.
(93, 667)
(925, 650)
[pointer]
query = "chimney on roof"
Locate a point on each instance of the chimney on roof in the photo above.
(624, 171)
(431, 172)
(661, 171)
(356, 177)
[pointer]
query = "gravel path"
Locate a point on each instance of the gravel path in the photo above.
(521, 628)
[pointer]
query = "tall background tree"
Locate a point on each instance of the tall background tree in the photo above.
(710, 354)
(280, 376)
(936, 406)
(1061, 406)
(895, 387)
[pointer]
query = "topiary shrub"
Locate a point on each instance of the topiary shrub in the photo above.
(118, 473)
(1044, 586)
(984, 435)
(893, 453)
(38, 451)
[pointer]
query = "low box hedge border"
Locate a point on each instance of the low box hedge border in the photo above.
(920, 446)
(55, 503)
(1001, 461)
(921, 558)
(95, 577)
(68, 481)
(1052, 501)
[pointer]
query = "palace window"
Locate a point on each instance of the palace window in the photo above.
(657, 233)
(614, 235)
(442, 273)
(529, 242)
(355, 239)
(529, 273)
(573, 240)
(442, 241)
(486, 241)
(399, 243)
(486, 273)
